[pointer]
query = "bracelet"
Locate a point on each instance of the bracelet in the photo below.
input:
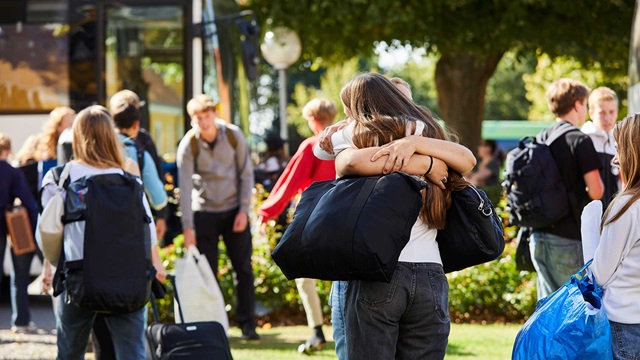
(430, 165)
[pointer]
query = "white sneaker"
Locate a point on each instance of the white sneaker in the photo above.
(24, 329)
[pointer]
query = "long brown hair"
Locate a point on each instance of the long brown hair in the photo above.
(626, 133)
(95, 141)
(382, 114)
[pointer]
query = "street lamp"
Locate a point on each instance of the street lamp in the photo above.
(281, 48)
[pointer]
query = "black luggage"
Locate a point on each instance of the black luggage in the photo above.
(190, 341)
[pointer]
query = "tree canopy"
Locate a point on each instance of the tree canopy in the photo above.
(470, 36)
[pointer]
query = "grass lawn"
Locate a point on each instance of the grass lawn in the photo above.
(477, 342)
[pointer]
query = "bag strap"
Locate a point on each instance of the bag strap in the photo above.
(562, 129)
(154, 306)
(362, 197)
(64, 176)
(195, 145)
(172, 278)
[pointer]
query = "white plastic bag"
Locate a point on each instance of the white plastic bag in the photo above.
(198, 290)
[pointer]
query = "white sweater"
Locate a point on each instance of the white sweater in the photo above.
(616, 264)
(422, 245)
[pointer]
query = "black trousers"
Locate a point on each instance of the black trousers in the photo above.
(209, 227)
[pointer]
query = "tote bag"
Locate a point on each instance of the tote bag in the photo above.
(568, 324)
(50, 226)
(352, 228)
(200, 295)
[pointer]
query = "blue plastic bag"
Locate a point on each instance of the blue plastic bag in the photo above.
(568, 324)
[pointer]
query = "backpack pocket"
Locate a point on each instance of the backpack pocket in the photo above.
(73, 275)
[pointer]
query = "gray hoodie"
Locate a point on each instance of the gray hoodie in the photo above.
(605, 147)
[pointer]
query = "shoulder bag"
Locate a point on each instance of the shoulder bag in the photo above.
(473, 233)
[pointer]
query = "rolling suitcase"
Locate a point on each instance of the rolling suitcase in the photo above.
(186, 341)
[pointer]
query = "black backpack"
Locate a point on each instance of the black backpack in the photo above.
(535, 192)
(106, 263)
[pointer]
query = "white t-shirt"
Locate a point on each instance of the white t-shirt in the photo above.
(422, 245)
(79, 170)
(616, 264)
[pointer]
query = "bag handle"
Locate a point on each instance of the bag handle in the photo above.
(154, 306)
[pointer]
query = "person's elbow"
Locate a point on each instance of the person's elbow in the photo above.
(468, 161)
(347, 166)
(596, 192)
(347, 163)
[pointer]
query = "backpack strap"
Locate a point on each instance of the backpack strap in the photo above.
(559, 132)
(195, 146)
(140, 155)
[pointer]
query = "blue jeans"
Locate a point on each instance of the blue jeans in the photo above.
(336, 301)
(74, 328)
(556, 259)
(407, 318)
(625, 340)
(20, 315)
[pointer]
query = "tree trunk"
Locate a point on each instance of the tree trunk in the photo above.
(461, 80)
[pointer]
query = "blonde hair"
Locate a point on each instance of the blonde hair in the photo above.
(601, 94)
(201, 103)
(124, 96)
(627, 136)
(562, 95)
(399, 81)
(5, 142)
(322, 109)
(382, 114)
(95, 141)
(48, 142)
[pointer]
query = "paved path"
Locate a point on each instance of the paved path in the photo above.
(41, 345)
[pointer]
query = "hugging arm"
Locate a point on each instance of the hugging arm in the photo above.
(409, 154)
(358, 162)
(456, 156)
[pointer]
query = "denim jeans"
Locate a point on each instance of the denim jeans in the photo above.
(407, 318)
(74, 328)
(556, 259)
(20, 315)
(626, 341)
(336, 301)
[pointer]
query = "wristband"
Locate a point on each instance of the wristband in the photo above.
(430, 165)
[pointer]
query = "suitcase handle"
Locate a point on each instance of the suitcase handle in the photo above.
(154, 306)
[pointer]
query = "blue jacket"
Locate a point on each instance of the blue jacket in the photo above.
(12, 186)
(153, 186)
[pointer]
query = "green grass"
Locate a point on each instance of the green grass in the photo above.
(466, 342)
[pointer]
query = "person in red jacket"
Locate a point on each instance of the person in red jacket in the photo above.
(303, 169)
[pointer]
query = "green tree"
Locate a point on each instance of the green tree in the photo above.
(470, 37)
(549, 69)
(506, 94)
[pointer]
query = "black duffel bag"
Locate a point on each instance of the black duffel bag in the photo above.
(473, 233)
(352, 228)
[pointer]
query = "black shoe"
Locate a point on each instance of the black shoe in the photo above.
(249, 333)
(311, 345)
